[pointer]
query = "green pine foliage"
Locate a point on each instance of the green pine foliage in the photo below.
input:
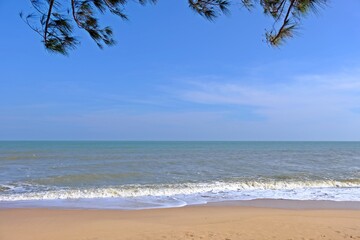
(55, 20)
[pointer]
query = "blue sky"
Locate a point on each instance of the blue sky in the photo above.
(175, 76)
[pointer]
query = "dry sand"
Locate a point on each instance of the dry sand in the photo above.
(217, 221)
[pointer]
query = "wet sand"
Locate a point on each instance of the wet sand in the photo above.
(260, 219)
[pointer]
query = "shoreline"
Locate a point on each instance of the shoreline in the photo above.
(254, 203)
(211, 221)
(292, 204)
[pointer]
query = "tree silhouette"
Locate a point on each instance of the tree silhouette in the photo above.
(54, 20)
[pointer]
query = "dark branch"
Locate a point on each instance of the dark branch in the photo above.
(274, 40)
(51, 4)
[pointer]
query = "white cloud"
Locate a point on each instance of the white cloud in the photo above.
(336, 92)
(309, 107)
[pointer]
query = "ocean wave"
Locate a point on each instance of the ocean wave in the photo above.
(85, 178)
(184, 189)
(4, 188)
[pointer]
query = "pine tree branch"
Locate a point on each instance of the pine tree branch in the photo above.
(51, 4)
(285, 22)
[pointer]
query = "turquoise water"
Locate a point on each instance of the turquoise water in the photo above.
(132, 175)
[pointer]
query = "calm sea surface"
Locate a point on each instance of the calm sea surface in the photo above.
(135, 175)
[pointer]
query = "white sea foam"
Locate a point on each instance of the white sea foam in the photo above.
(302, 190)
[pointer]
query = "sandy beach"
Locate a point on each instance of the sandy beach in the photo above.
(216, 221)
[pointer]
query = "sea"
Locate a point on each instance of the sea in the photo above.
(153, 174)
